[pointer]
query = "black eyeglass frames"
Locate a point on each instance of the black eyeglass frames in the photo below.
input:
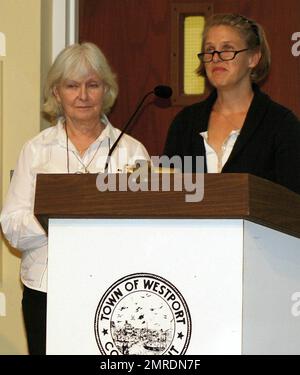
(206, 57)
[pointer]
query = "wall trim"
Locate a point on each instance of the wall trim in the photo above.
(64, 24)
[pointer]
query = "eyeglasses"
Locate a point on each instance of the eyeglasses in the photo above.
(206, 57)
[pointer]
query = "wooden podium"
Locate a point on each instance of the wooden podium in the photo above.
(148, 273)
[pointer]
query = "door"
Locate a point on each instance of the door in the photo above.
(135, 35)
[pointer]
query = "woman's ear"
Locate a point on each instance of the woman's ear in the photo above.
(254, 59)
(56, 94)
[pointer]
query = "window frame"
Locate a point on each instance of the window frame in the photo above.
(180, 10)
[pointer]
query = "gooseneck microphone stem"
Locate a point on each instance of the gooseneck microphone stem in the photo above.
(124, 130)
(160, 91)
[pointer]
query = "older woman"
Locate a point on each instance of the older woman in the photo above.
(238, 128)
(80, 90)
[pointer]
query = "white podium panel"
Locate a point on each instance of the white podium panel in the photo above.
(170, 287)
(202, 259)
(271, 278)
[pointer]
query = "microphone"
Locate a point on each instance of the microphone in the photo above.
(160, 91)
(164, 92)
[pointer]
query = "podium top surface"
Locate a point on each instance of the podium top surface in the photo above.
(226, 196)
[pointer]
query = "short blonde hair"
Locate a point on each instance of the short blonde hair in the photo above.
(74, 62)
(252, 33)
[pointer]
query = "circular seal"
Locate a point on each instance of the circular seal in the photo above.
(142, 314)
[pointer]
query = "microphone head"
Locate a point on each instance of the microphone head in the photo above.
(163, 91)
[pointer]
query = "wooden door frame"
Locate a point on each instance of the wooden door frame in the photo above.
(65, 24)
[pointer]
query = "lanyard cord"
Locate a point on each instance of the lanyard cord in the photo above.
(68, 161)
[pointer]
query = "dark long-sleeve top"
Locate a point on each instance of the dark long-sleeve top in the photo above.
(268, 145)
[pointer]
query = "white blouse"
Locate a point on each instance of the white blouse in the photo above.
(215, 161)
(48, 153)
